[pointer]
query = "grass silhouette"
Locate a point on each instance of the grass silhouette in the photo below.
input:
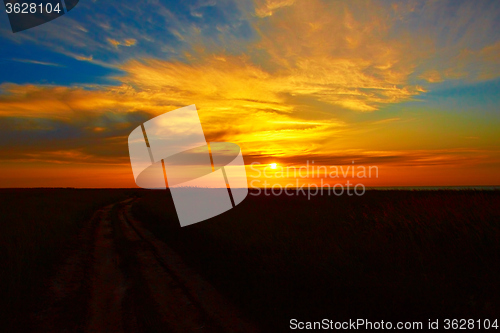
(387, 255)
(38, 229)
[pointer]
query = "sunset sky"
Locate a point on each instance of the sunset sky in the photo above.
(412, 87)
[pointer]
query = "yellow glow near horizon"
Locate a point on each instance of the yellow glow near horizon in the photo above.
(325, 82)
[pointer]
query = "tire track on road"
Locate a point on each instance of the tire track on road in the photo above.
(183, 295)
(108, 281)
(124, 279)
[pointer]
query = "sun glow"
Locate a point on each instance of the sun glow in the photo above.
(273, 165)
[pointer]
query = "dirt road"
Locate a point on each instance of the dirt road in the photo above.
(123, 279)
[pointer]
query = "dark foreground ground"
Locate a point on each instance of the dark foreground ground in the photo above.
(387, 255)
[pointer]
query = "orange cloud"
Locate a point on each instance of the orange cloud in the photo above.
(126, 42)
(432, 76)
(265, 8)
(319, 59)
(323, 50)
(84, 58)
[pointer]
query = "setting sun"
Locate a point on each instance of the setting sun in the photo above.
(273, 165)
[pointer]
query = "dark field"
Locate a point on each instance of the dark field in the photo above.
(388, 255)
(38, 230)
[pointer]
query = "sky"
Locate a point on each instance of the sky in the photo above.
(411, 87)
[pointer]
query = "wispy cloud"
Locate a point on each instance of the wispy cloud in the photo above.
(84, 58)
(125, 42)
(265, 8)
(288, 80)
(35, 62)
